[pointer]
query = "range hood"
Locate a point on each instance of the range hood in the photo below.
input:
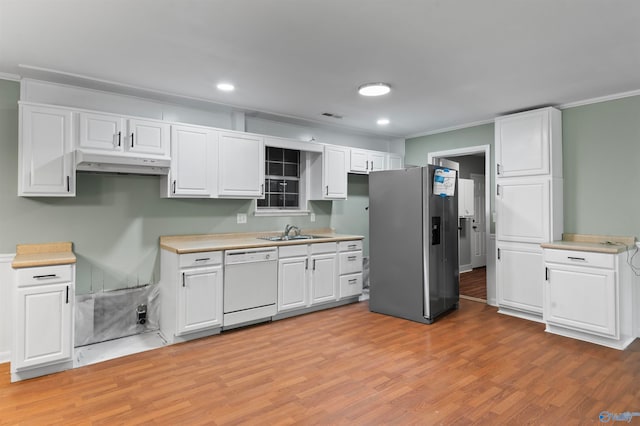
(110, 163)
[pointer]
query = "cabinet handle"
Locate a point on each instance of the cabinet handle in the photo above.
(497, 168)
(546, 274)
(45, 277)
(314, 264)
(350, 258)
(579, 259)
(497, 189)
(371, 165)
(352, 246)
(131, 139)
(367, 166)
(203, 259)
(262, 189)
(68, 183)
(174, 186)
(498, 254)
(327, 193)
(119, 138)
(183, 285)
(306, 264)
(353, 281)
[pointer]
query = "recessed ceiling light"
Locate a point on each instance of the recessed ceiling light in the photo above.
(374, 89)
(383, 121)
(225, 87)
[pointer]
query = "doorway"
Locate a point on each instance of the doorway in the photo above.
(474, 165)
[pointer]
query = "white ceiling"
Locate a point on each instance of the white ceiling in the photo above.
(449, 62)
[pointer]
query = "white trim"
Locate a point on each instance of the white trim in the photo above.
(600, 99)
(10, 77)
(277, 212)
(6, 307)
(465, 268)
(486, 149)
(452, 128)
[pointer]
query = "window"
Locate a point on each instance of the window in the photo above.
(282, 179)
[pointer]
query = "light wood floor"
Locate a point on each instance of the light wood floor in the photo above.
(345, 366)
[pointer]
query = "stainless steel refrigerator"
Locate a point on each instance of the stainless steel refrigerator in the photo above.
(413, 242)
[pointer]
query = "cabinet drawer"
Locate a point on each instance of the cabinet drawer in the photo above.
(324, 248)
(350, 285)
(292, 251)
(350, 245)
(350, 262)
(580, 258)
(200, 259)
(43, 275)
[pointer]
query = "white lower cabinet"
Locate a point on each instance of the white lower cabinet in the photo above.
(350, 255)
(190, 295)
(587, 296)
(43, 321)
(519, 276)
(307, 275)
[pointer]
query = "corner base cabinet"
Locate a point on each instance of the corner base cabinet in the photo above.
(43, 321)
(190, 295)
(588, 296)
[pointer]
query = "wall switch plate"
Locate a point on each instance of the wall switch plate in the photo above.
(242, 218)
(312, 217)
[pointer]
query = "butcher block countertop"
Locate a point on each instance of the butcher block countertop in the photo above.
(182, 244)
(592, 243)
(48, 254)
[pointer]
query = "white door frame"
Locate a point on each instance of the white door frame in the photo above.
(471, 150)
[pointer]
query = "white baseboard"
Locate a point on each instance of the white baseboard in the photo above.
(466, 268)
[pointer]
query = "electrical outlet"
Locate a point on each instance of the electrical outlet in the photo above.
(242, 218)
(312, 217)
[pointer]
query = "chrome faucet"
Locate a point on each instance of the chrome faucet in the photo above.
(289, 228)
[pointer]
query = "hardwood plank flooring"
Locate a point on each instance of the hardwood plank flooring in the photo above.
(345, 366)
(473, 284)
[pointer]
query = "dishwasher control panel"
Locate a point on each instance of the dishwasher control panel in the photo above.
(250, 255)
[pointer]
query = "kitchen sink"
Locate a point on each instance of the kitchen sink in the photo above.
(290, 237)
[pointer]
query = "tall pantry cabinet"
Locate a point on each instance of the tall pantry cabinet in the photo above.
(528, 205)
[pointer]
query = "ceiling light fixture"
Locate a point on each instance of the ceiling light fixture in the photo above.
(225, 87)
(374, 89)
(383, 121)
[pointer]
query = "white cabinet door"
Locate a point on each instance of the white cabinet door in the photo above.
(324, 276)
(240, 166)
(359, 161)
(193, 165)
(520, 275)
(292, 283)
(200, 299)
(334, 176)
(102, 131)
(46, 160)
(394, 162)
(377, 161)
(581, 298)
(148, 137)
(523, 144)
(43, 325)
(465, 198)
(523, 210)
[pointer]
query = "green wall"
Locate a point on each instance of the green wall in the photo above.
(351, 216)
(115, 221)
(601, 164)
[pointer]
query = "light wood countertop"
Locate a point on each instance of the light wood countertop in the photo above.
(182, 244)
(48, 254)
(592, 243)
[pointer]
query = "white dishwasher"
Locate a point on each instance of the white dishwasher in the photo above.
(250, 285)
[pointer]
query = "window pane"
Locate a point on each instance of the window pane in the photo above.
(291, 170)
(274, 154)
(274, 200)
(292, 187)
(275, 169)
(291, 156)
(262, 203)
(273, 185)
(291, 200)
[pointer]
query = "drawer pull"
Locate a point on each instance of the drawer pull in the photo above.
(352, 246)
(45, 277)
(353, 281)
(351, 258)
(580, 259)
(203, 259)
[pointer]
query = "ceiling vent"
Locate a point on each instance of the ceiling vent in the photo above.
(336, 116)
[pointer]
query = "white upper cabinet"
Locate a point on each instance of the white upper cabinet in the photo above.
(107, 132)
(240, 165)
(193, 162)
(529, 143)
(364, 161)
(46, 166)
(523, 210)
(394, 162)
(334, 176)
